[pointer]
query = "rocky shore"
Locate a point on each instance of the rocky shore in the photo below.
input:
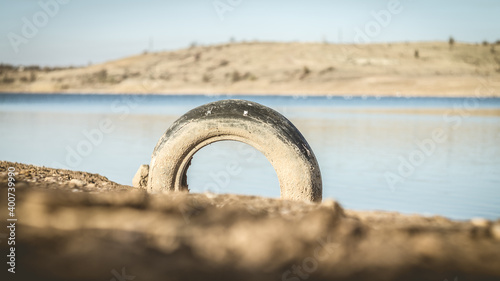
(81, 226)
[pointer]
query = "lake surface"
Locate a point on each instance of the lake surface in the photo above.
(431, 156)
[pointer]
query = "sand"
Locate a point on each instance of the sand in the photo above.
(81, 226)
(463, 70)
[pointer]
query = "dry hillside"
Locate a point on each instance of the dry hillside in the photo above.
(408, 69)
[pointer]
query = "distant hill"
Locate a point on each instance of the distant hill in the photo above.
(406, 69)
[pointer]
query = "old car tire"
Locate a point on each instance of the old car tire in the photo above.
(261, 127)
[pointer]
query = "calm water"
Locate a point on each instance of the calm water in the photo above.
(419, 155)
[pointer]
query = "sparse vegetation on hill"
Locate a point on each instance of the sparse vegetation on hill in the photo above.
(411, 69)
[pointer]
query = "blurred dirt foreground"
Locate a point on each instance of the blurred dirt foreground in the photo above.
(395, 69)
(81, 226)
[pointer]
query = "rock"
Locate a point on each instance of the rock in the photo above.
(480, 222)
(77, 182)
(333, 205)
(50, 179)
(495, 231)
(140, 179)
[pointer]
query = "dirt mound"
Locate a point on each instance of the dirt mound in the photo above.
(95, 229)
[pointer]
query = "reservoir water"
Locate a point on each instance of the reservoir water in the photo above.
(430, 156)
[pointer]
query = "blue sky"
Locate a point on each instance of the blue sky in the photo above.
(83, 31)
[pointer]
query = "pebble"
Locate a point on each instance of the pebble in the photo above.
(210, 195)
(332, 205)
(77, 182)
(480, 222)
(50, 179)
(141, 177)
(495, 231)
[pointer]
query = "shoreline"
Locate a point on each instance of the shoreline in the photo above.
(483, 110)
(82, 218)
(293, 95)
(309, 69)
